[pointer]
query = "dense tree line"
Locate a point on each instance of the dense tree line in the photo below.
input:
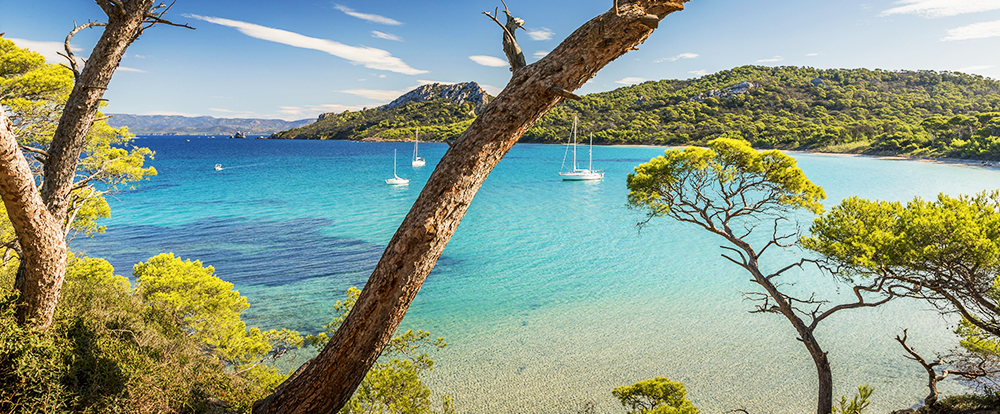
(921, 113)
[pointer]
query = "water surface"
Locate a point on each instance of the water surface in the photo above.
(547, 294)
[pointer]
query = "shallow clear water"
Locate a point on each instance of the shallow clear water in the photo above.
(547, 294)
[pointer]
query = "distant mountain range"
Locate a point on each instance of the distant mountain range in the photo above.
(201, 125)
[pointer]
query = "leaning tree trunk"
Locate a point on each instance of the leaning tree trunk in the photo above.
(824, 374)
(40, 234)
(326, 383)
(39, 286)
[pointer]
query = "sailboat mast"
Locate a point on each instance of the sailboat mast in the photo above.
(394, 163)
(590, 165)
(416, 138)
(574, 143)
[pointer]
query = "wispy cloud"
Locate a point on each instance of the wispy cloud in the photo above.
(127, 69)
(290, 113)
(699, 72)
(489, 61)
(631, 80)
(369, 57)
(941, 8)
(387, 36)
(374, 18)
(50, 50)
(678, 57)
(540, 53)
(812, 54)
(541, 33)
(380, 95)
(974, 68)
(490, 89)
(974, 31)
(771, 60)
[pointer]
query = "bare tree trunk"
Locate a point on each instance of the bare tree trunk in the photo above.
(123, 28)
(824, 374)
(327, 382)
(40, 285)
(40, 234)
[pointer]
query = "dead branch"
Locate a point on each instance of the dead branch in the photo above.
(73, 65)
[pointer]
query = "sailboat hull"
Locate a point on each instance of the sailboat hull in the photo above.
(419, 162)
(584, 175)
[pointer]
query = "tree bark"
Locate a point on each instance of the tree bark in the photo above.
(326, 383)
(124, 26)
(38, 279)
(43, 254)
(824, 374)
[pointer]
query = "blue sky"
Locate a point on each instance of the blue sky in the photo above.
(295, 59)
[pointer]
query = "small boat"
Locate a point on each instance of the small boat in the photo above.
(395, 180)
(417, 161)
(579, 174)
(218, 167)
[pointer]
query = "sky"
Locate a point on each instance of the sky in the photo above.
(295, 59)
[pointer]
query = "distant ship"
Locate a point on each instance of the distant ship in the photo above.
(238, 135)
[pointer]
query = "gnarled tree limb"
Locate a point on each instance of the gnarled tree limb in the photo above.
(324, 384)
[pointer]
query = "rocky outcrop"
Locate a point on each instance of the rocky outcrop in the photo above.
(459, 93)
(731, 90)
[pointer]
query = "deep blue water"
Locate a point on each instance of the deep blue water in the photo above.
(547, 293)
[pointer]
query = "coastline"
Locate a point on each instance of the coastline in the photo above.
(993, 165)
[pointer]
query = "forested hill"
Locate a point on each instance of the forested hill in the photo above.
(922, 112)
(173, 124)
(839, 110)
(440, 110)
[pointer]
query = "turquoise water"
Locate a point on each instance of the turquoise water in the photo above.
(547, 294)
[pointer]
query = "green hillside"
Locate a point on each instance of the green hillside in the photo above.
(838, 110)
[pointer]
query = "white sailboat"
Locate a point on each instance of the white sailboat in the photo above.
(417, 161)
(395, 180)
(579, 174)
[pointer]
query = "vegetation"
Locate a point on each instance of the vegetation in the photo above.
(655, 396)
(921, 113)
(107, 352)
(857, 404)
(732, 190)
(437, 119)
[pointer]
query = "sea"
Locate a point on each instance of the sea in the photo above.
(548, 295)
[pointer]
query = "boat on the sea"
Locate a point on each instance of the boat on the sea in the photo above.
(238, 135)
(417, 161)
(578, 174)
(218, 167)
(396, 180)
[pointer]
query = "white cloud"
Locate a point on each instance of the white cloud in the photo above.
(541, 33)
(427, 82)
(699, 72)
(540, 53)
(974, 31)
(631, 80)
(50, 50)
(374, 18)
(489, 61)
(678, 57)
(490, 89)
(942, 8)
(291, 113)
(376, 94)
(368, 56)
(126, 69)
(974, 68)
(812, 54)
(387, 36)
(771, 60)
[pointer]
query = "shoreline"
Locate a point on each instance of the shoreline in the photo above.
(992, 165)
